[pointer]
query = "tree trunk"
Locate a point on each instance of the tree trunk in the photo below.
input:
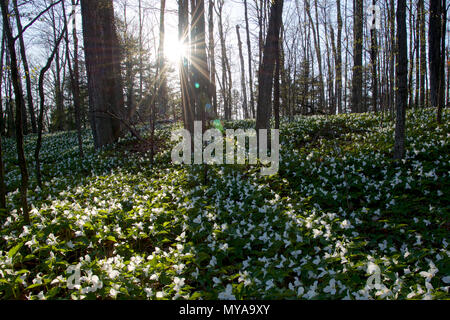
(243, 85)
(250, 72)
(373, 58)
(59, 97)
(441, 91)
(276, 89)
(162, 92)
(129, 80)
(392, 56)
(339, 59)
(26, 69)
(141, 63)
(53, 54)
(19, 108)
(2, 167)
(267, 67)
(74, 75)
(402, 79)
(183, 35)
(212, 55)
(417, 64)
(330, 105)
(410, 59)
(224, 63)
(423, 52)
(2, 177)
(357, 79)
(448, 79)
(316, 38)
(102, 54)
(434, 38)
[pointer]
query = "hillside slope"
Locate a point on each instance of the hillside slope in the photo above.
(340, 220)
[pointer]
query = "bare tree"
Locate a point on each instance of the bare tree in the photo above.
(212, 55)
(441, 91)
(26, 68)
(249, 50)
(42, 73)
(373, 58)
(17, 84)
(141, 51)
(74, 74)
(392, 55)
(316, 38)
(225, 85)
(339, 58)
(162, 92)
(402, 80)
(243, 85)
(357, 56)
(423, 51)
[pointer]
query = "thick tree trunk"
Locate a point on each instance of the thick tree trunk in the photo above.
(402, 79)
(267, 67)
(441, 91)
(434, 38)
(183, 35)
(102, 54)
(417, 64)
(448, 79)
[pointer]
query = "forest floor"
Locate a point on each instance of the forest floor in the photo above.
(340, 220)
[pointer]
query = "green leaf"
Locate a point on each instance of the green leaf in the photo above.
(111, 238)
(14, 250)
(35, 285)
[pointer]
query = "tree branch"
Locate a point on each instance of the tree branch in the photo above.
(36, 18)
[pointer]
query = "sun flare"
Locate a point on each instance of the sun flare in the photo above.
(174, 50)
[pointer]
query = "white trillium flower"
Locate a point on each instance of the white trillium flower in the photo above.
(227, 294)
